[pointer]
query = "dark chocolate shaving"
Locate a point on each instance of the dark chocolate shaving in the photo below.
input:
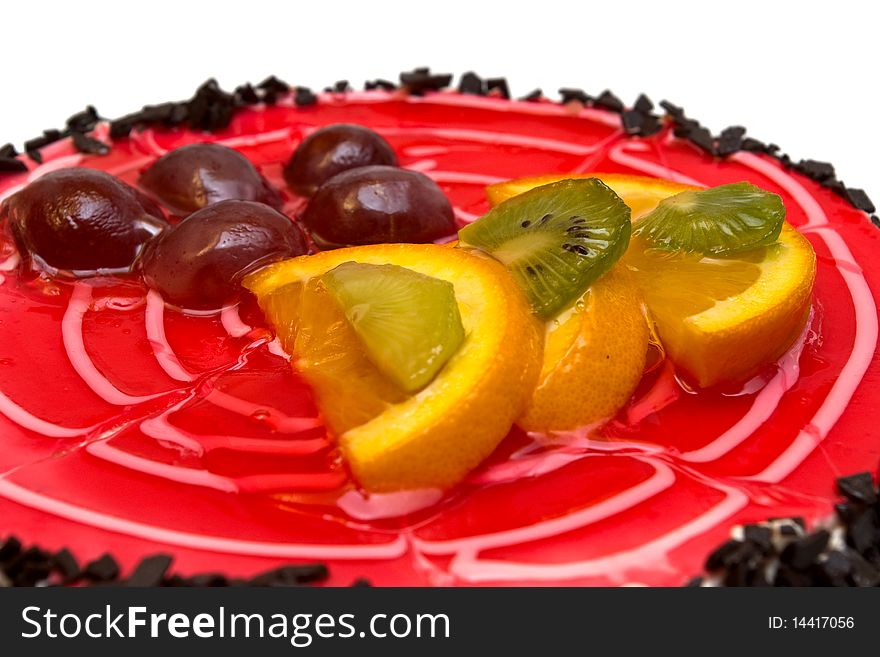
(803, 552)
(734, 139)
(570, 94)
(66, 565)
(8, 150)
(472, 84)
(122, 127)
(643, 104)
(781, 548)
(859, 199)
(338, 87)
(89, 145)
(858, 488)
(379, 83)
(84, 121)
(498, 87)
(753, 145)
(103, 569)
(607, 100)
(151, 571)
(640, 124)
(291, 576)
(420, 80)
(32, 146)
(30, 566)
(246, 94)
(304, 97)
(533, 96)
(818, 171)
(12, 165)
(275, 85)
(211, 108)
(730, 141)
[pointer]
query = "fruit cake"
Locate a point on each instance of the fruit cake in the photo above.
(422, 335)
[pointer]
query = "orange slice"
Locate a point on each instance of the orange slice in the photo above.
(433, 438)
(723, 319)
(594, 357)
(719, 319)
(640, 193)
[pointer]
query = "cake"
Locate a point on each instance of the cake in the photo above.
(131, 428)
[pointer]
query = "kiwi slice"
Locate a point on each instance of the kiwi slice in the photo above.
(717, 221)
(408, 323)
(556, 239)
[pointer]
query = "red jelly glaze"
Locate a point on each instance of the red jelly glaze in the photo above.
(204, 444)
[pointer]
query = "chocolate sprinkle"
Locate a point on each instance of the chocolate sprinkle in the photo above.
(833, 569)
(379, 83)
(863, 534)
(420, 80)
(858, 488)
(89, 145)
(151, 571)
(207, 580)
(643, 104)
(759, 536)
(803, 552)
(607, 100)
(570, 94)
(212, 109)
(9, 549)
(753, 145)
(859, 199)
(102, 569)
(84, 121)
(304, 97)
(247, 94)
(274, 85)
(472, 84)
(66, 565)
(30, 566)
(8, 150)
(818, 171)
(639, 124)
(12, 165)
(291, 576)
(801, 558)
(498, 86)
(730, 140)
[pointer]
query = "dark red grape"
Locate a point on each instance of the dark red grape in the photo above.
(82, 220)
(200, 262)
(334, 149)
(195, 176)
(378, 205)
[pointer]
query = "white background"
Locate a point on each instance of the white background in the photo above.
(802, 74)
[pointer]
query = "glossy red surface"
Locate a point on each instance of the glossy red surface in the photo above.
(135, 429)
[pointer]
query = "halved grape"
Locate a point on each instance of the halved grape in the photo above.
(331, 150)
(82, 221)
(194, 176)
(409, 323)
(378, 205)
(199, 263)
(717, 221)
(556, 239)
